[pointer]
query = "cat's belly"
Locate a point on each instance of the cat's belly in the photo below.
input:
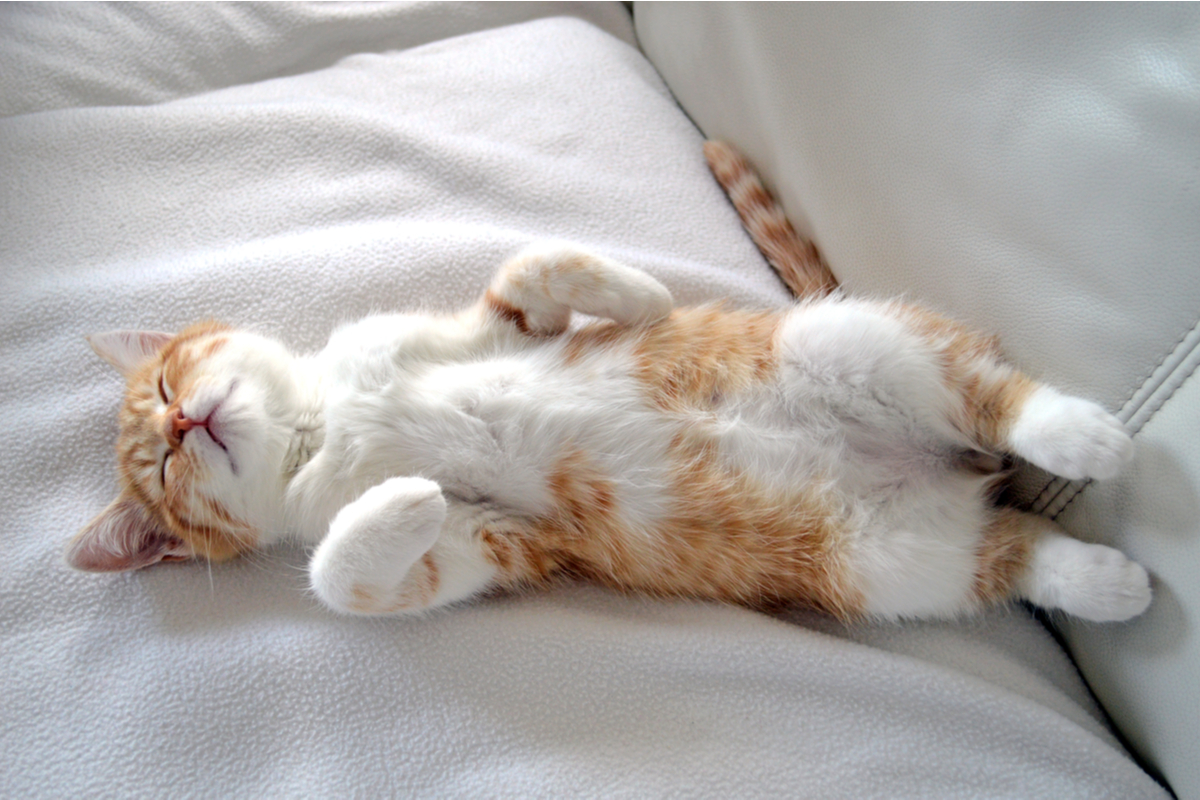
(549, 428)
(523, 434)
(538, 432)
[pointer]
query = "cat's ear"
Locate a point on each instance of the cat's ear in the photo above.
(128, 350)
(123, 537)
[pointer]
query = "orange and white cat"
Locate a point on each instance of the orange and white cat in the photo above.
(827, 454)
(841, 453)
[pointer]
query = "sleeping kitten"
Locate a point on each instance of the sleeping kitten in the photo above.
(828, 454)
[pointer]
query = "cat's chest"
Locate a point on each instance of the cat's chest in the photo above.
(434, 405)
(485, 430)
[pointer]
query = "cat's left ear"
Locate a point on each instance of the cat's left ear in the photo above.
(128, 350)
(121, 538)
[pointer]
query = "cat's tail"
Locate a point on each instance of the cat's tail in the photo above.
(794, 257)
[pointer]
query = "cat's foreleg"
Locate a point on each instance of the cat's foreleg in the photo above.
(537, 289)
(400, 548)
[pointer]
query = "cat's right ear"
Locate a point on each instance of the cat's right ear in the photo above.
(121, 538)
(128, 350)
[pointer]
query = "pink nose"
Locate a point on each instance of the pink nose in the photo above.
(179, 425)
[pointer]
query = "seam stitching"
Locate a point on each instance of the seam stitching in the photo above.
(1141, 382)
(1184, 379)
(1069, 501)
(1046, 502)
(1062, 484)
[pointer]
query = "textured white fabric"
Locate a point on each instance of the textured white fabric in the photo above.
(1031, 170)
(114, 54)
(400, 179)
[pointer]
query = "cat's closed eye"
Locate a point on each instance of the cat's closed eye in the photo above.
(162, 388)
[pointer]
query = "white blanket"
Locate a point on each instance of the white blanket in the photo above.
(288, 168)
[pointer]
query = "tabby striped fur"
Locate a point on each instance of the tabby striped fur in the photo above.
(795, 258)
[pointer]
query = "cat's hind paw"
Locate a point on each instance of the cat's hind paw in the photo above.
(1071, 437)
(1089, 581)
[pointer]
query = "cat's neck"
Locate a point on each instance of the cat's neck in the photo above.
(307, 438)
(308, 421)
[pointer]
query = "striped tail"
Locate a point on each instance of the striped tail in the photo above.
(795, 258)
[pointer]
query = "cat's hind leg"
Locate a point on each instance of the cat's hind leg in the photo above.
(1069, 436)
(400, 548)
(1006, 411)
(1028, 557)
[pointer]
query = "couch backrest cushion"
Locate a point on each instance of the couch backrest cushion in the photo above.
(1033, 171)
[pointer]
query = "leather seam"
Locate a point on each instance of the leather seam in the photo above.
(1070, 500)
(1141, 382)
(1179, 375)
(1191, 372)
(1063, 484)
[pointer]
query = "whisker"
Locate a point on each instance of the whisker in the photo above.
(212, 589)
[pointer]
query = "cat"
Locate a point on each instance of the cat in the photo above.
(840, 454)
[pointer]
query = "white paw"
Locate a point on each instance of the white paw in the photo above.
(600, 286)
(1106, 586)
(635, 298)
(1090, 581)
(374, 541)
(1071, 437)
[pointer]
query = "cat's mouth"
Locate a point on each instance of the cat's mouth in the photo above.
(212, 427)
(217, 429)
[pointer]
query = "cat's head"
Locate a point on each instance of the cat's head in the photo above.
(203, 438)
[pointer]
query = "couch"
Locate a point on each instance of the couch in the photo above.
(1030, 170)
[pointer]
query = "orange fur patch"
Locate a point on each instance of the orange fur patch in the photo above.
(1003, 556)
(506, 311)
(992, 392)
(695, 356)
(519, 557)
(747, 544)
(699, 355)
(726, 539)
(178, 356)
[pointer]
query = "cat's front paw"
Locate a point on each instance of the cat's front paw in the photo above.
(575, 279)
(373, 543)
(634, 298)
(1071, 437)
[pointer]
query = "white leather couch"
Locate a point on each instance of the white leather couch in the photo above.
(1034, 170)
(285, 167)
